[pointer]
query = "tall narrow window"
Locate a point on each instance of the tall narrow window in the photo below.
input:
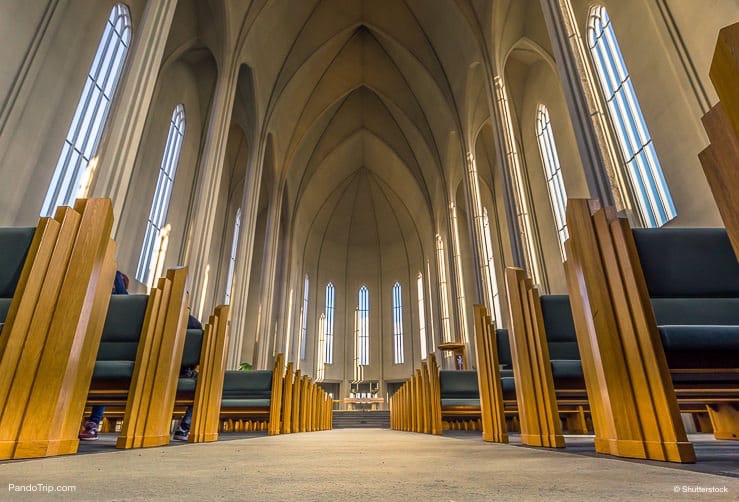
(232, 261)
(421, 316)
(446, 328)
(642, 165)
(329, 326)
(363, 327)
(304, 318)
(92, 110)
(162, 194)
(490, 268)
(398, 324)
(553, 173)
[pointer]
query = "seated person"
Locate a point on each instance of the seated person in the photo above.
(90, 432)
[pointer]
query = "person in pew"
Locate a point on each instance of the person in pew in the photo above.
(90, 431)
(183, 429)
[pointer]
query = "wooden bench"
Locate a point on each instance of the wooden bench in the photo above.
(254, 397)
(722, 127)
(204, 350)
(55, 283)
(138, 363)
(546, 362)
(657, 314)
(432, 399)
(277, 400)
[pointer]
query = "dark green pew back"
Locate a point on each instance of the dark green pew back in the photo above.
(247, 389)
(120, 340)
(190, 359)
(561, 338)
(458, 388)
(14, 245)
(692, 275)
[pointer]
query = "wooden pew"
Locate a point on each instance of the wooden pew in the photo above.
(255, 396)
(656, 313)
(492, 405)
(52, 327)
(205, 349)
(550, 384)
(139, 360)
(722, 127)
(291, 402)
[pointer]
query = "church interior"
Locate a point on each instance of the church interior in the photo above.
(480, 249)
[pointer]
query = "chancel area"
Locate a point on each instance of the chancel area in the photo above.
(369, 249)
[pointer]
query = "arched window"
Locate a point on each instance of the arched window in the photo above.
(553, 173)
(421, 316)
(72, 174)
(398, 324)
(363, 327)
(329, 326)
(644, 171)
(158, 213)
(232, 261)
(304, 318)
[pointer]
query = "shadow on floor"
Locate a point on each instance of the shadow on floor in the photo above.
(106, 441)
(713, 456)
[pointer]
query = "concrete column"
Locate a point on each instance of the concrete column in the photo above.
(205, 202)
(120, 143)
(524, 211)
(267, 331)
(483, 254)
(598, 153)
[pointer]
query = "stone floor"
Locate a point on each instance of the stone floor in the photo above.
(370, 464)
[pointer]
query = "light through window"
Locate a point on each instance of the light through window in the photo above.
(398, 324)
(92, 110)
(553, 173)
(329, 326)
(363, 327)
(643, 168)
(162, 194)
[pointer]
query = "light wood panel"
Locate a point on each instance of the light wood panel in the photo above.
(633, 403)
(53, 329)
(535, 394)
(209, 387)
(153, 386)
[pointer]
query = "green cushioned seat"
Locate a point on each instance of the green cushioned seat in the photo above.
(247, 385)
(566, 369)
(692, 275)
(458, 384)
(120, 340)
(685, 311)
(192, 347)
(244, 403)
(113, 370)
(185, 384)
(14, 245)
(445, 402)
(4, 307)
(697, 338)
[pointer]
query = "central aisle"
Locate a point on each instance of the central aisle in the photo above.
(352, 464)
